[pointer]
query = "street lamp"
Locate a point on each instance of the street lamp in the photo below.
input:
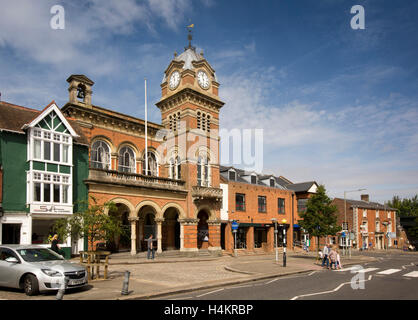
(345, 219)
(284, 221)
(274, 220)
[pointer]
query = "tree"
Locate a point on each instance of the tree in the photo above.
(320, 218)
(406, 207)
(93, 222)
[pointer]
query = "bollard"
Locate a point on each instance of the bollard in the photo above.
(61, 291)
(126, 284)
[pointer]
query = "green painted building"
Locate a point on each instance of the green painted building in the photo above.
(43, 163)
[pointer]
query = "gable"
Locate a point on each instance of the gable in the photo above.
(52, 119)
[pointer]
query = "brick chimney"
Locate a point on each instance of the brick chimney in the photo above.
(365, 197)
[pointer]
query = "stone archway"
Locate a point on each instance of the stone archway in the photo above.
(122, 242)
(171, 229)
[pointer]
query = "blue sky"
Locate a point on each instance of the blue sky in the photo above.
(337, 105)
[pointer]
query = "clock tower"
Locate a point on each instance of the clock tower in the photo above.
(190, 107)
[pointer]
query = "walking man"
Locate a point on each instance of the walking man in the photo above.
(150, 247)
(325, 252)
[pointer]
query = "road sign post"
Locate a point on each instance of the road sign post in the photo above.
(234, 227)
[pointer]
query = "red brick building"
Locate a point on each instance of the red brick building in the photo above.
(369, 222)
(172, 189)
(254, 201)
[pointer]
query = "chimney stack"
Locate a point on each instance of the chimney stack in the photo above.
(365, 197)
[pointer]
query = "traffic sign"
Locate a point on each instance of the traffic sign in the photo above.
(234, 225)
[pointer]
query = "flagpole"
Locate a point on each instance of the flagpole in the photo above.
(146, 130)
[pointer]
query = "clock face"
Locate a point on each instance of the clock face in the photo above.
(203, 79)
(174, 80)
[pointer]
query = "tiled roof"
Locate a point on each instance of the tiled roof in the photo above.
(366, 204)
(13, 117)
(301, 187)
(262, 179)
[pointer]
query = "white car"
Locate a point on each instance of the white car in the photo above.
(34, 269)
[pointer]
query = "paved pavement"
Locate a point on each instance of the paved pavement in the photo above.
(173, 275)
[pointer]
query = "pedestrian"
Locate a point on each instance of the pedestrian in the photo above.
(150, 247)
(339, 265)
(325, 252)
(332, 258)
(54, 244)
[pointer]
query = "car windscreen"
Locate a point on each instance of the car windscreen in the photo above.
(38, 255)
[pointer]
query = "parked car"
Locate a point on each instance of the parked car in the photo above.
(37, 269)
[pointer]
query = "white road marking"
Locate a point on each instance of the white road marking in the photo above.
(209, 293)
(324, 292)
(346, 269)
(367, 270)
(413, 274)
(246, 286)
(389, 271)
(185, 298)
(272, 280)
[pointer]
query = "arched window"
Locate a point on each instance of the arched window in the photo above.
(126, 160)
(152, 165)
(100, 155)
(203, 172)
(175, 168)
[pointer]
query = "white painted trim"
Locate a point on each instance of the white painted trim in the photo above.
(52, 107)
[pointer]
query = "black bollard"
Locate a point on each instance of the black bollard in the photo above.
(126, 284)
(284, 255)
(61, 291)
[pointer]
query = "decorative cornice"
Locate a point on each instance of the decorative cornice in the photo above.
(188, 221)
(189, 95)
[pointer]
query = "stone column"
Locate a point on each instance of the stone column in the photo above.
(181, 235)
(133, 235)
(159, 223)
(140, 234)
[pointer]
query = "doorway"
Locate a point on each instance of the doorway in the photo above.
(11, 233)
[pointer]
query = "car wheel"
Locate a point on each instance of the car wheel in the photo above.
(30, 285)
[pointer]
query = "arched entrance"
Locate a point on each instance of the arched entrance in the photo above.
(148, 226)
(202, 230)
(171, 230)
(122, 242)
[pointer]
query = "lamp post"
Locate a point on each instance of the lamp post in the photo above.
(274, 220)
(345, 219)
(284, 221)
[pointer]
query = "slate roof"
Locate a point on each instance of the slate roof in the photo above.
(366, 204)
(262, 179)
(301, 187)
(13, 117)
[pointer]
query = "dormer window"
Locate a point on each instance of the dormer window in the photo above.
(272, 182)
(232, 175)
(253, 179)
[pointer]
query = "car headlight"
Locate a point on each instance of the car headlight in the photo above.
(52, 273)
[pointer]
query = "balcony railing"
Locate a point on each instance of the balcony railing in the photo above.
(134, 179)
(206, 193)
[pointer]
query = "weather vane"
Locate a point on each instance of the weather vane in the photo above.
(190, 37)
